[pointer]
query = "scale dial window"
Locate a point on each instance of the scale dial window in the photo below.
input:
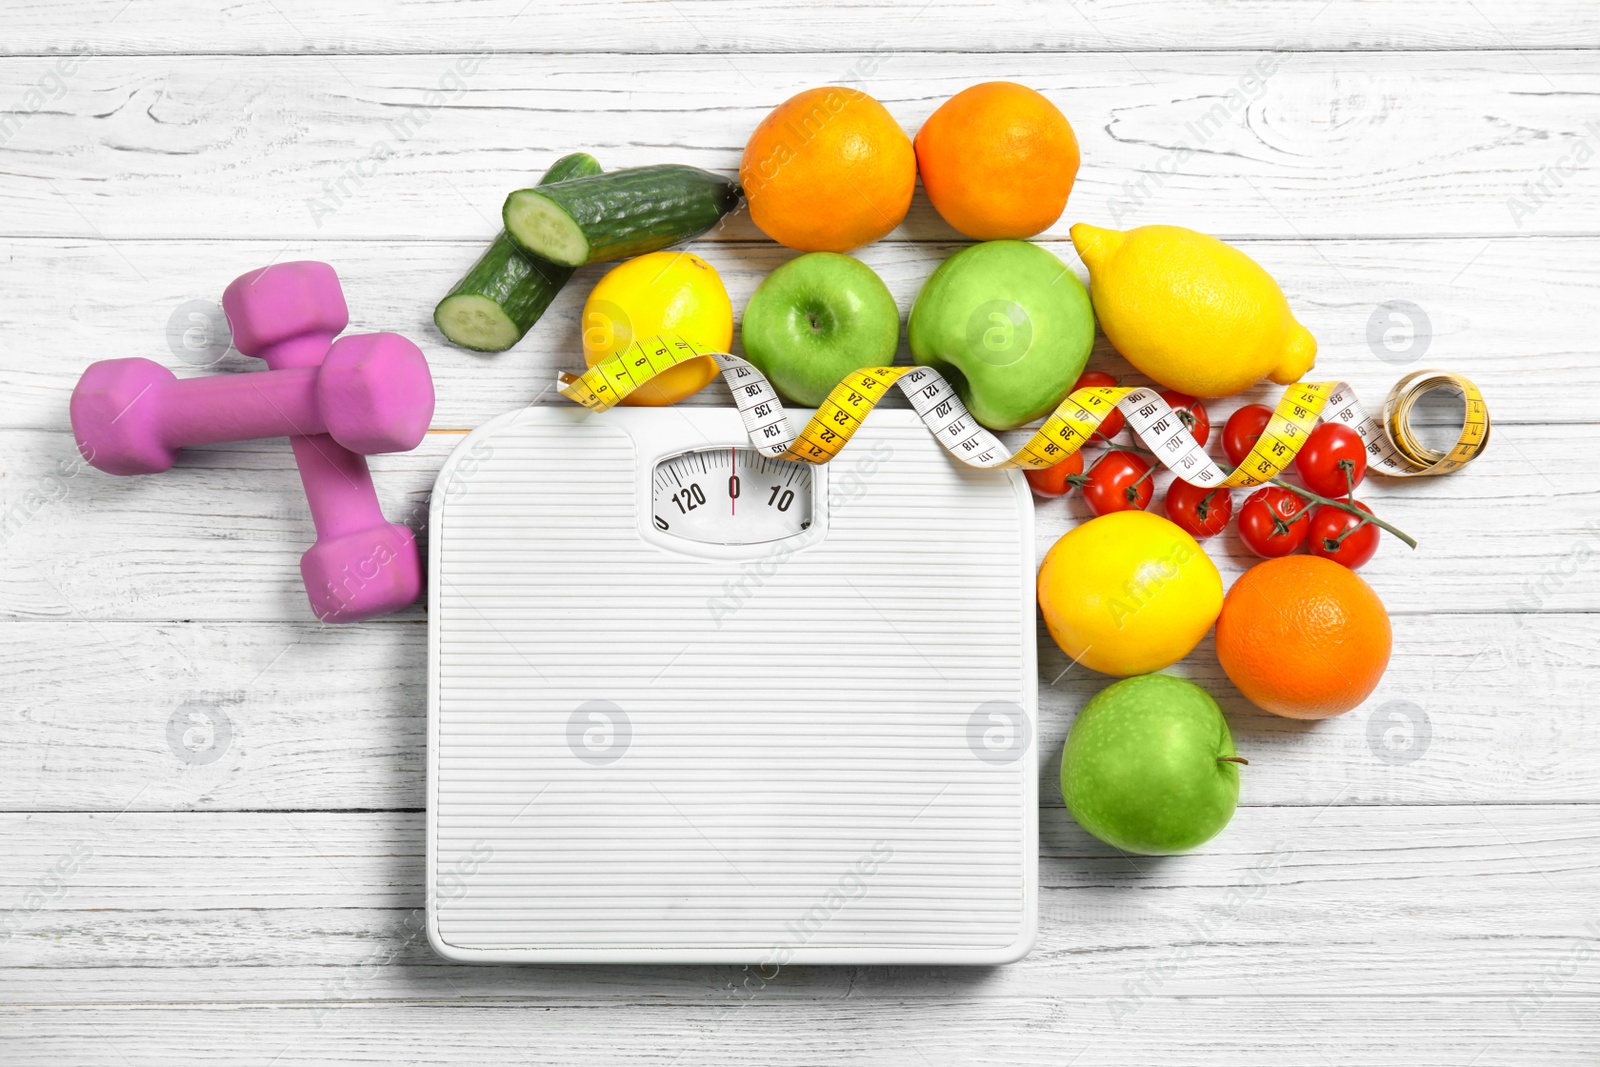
(731, 496)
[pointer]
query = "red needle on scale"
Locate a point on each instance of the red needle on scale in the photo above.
(733, 480)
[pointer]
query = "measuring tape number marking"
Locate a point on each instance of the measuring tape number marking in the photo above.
(1392, 447)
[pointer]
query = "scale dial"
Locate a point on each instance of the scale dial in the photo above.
(731, 496)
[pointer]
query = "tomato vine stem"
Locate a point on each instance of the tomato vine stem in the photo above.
(1364, 516)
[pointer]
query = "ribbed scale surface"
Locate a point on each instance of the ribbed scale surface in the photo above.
(802, 773)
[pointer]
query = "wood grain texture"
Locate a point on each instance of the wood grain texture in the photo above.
(721, 26)
(1511, 313)
(1474, 708)
(1287, 902)
(959, 1029)
(1305, 144)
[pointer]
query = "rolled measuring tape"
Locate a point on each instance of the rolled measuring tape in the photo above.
(1392, 447)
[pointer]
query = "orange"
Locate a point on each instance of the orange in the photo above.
(998, 160)
(1303, 637)
(828, 170)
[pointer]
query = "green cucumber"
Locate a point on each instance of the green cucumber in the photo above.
(618, 214)
(503, 294)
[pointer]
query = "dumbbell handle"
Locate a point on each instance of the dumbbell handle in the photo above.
(338, 485)
(305, 352)
(241, 407)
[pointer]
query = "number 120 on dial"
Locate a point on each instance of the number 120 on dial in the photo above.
(731, 496)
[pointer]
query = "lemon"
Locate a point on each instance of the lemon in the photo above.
(662, 292)
(1193, 313)
(1128, 593)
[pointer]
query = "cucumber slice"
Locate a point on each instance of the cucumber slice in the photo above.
(478, 322)
(618, 214)
(503, 294)
(534, 222)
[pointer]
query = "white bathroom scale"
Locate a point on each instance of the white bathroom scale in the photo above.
(687, 704)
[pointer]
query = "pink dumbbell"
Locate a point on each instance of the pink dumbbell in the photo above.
(372, 394)
(362, 566)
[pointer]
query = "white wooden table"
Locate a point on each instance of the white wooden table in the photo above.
(210, 806)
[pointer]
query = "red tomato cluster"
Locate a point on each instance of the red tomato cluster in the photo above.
(1273, 521)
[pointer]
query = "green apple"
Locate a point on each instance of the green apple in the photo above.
(1009, 325)
(816, 319)
(1149, 766)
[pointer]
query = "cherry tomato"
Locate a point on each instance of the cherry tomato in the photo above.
(1202, 512)
(1191, 412)
(1096, 379)
(1338, 535)
(1273, 522)
(1121, 481)
(1332, 450)
(1242, 431)
(1051, 482)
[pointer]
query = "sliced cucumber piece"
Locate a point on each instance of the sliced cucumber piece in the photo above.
(506, 291)
(618, 214)
(478, 322)
(535, 222)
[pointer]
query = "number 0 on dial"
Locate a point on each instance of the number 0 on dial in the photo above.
(731, 496)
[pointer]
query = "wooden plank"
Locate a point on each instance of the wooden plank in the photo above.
(219, 536)
(107, 716)
(1432, 901)
(960, 1029)
(1510, 313)
(1238, 143)
(104, 716)
(717, 26)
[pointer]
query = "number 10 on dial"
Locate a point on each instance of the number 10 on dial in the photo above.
(731, 496)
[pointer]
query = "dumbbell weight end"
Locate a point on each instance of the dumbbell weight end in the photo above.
(131, 416)
(359, 568)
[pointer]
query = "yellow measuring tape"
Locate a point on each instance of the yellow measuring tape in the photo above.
(1392, 447)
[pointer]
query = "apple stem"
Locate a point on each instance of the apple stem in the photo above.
(1233, 759)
